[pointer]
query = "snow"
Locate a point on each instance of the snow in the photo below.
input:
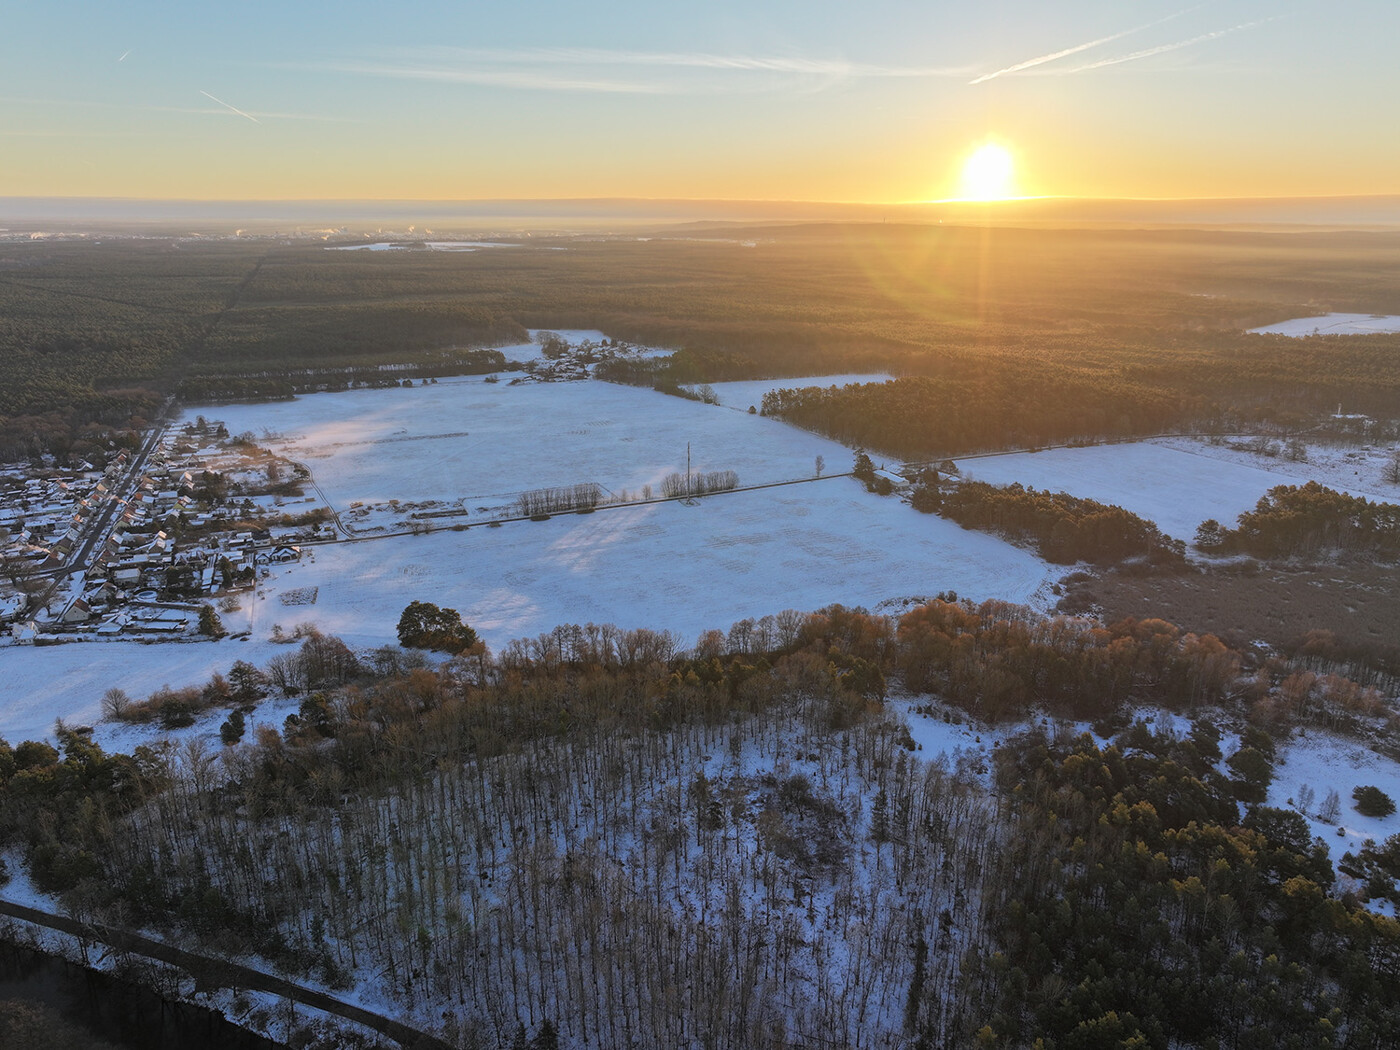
(942, 731)
(1177, 482)
(479, 443)
(67, 681)
(667, 566)
(1324, 761)
(662, 565)
(437, 246)
(1333, 324)
(741, 394)
(1346, 468)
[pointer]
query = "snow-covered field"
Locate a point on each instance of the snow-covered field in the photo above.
(480, 443)
(38, 685)
(436, 246)
(1345, 468)
(1333, 324)
(667, 566)
(1176, 482)
(741, 394)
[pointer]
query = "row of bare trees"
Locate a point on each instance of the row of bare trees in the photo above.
(698, 484)
(559, 499)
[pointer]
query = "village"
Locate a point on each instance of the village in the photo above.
(153, 545)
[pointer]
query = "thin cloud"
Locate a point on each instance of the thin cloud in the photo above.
(1164, 48)
(523, 80)
(235, 109)
(588, 69)
(83, 103)
(796, 64)
(84, 134)
(1056, 55)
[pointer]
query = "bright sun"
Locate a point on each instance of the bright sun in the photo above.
(988, 174)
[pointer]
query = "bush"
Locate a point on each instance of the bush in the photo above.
(425, 626)
(1371, 801)
(209, 623)
(232, 730)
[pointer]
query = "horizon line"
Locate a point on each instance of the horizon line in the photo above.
(701, 200)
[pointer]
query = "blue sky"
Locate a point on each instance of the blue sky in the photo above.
(879, 101)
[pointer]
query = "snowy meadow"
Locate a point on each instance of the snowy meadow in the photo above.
(379, 456)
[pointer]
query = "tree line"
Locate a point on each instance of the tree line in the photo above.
(1307, 519)
(1064, 528)
(583, 495)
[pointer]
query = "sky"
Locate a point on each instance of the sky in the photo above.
(808, 100)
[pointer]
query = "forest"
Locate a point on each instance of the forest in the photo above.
(1002, 336)
(738, 845)
(1308, 519)
(1064, 529)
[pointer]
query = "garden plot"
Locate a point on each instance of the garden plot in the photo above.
(472, 445)
(1178, 486)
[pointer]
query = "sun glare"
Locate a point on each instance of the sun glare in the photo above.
(989, 174)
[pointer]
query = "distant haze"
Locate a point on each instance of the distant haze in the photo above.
(19, 215)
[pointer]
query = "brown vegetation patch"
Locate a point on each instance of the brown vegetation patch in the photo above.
(1277, 604)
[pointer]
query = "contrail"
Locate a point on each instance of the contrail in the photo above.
(125, 53)
(1164, 48)
(235, 109)
(1079, 47)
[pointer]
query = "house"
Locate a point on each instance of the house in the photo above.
(77, 612)
(12, 607)
(896, 480)
(102, 594)
(285, 553)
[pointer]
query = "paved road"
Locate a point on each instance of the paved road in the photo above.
(100, 527)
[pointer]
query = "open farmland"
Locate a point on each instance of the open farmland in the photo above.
(677, 567)
(472, 443)
(742, 393)
(1332, 324)
(666, 565)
